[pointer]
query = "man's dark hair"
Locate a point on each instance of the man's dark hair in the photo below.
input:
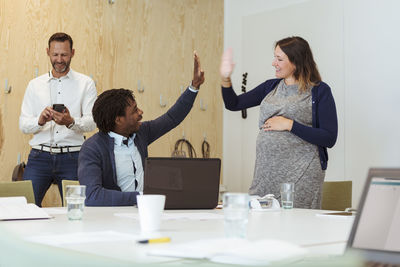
(61, 37)
(109, 105)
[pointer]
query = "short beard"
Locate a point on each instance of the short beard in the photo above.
(64, 69)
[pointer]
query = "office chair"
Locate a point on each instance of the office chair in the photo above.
(64, 188)
(336, 195)
(17, 189)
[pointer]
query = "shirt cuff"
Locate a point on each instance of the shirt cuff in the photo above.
(194, 91)
(192, 88)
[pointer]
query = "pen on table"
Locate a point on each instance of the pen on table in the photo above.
(155, 240)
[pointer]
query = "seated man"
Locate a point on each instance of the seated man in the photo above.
(111, 161)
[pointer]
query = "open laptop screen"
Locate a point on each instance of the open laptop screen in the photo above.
(376, 230)
(379, 225)
(187, 183)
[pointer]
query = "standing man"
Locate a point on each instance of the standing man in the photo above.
(57, 129)
(111, 161)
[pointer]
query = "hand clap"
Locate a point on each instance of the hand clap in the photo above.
(227, 64)
(198, 73)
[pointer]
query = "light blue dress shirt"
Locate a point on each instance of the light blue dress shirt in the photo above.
(128, 163)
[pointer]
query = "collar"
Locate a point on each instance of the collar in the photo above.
(66, 76)
(118, 139)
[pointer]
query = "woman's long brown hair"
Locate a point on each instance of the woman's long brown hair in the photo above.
(299, 53)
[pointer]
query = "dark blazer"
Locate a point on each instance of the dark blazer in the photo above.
(323, 132)
(96, 165)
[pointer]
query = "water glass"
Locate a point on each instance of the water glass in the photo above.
(236, 212)
(287, 195)
(75, 196)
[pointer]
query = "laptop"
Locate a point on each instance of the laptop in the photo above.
(187, 183)
(376, 229)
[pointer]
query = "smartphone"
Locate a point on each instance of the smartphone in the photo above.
(59, 107)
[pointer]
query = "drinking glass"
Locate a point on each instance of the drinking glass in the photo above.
(287, 195)
(236, 211)
(75, 196)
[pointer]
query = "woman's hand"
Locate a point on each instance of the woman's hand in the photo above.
(278, 123)
(198, 73)
(226, 67)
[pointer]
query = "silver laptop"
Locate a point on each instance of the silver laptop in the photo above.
(376, 229)
(188, 183)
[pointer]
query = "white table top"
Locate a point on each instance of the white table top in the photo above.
(319, 234)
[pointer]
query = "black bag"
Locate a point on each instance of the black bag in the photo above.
(18, 172)
(179, 151)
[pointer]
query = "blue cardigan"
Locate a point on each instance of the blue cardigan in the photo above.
(323, 132)
(96, 165)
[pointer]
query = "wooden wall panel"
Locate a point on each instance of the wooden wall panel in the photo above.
(118, 45)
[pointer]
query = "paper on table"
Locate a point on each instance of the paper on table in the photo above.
(13, 200)
(177, 216)
(192, 216)
(336, 214)
(54, 211)
(234, 251)
(79, 238)
(21, 212)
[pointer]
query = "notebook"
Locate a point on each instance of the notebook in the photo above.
(376, 229)
(187, 183)
(17, 208)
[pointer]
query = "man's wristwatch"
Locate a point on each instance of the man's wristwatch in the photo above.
(71, 125)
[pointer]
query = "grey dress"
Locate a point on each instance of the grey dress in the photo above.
(284, 157)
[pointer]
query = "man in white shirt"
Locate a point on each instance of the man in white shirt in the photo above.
(57, 129)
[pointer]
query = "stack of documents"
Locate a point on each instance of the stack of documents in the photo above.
(234, 251)
(17, 208)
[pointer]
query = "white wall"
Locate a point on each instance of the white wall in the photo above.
(372, 87)
(354, 43)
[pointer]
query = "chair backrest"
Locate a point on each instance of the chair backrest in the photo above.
(18, 172)
(336, 195)
(17, 189)
(64, 188)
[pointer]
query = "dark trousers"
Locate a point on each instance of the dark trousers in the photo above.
(43, 168)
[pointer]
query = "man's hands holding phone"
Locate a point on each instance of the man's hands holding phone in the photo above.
(59, 113)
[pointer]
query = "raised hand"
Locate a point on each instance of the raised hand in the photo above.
(198, 73)
(227, 64)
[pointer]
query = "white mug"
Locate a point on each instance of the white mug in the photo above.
(150, 211)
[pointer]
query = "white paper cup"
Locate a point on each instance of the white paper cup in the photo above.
(150, 211)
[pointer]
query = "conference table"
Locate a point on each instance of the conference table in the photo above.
(113, 232)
